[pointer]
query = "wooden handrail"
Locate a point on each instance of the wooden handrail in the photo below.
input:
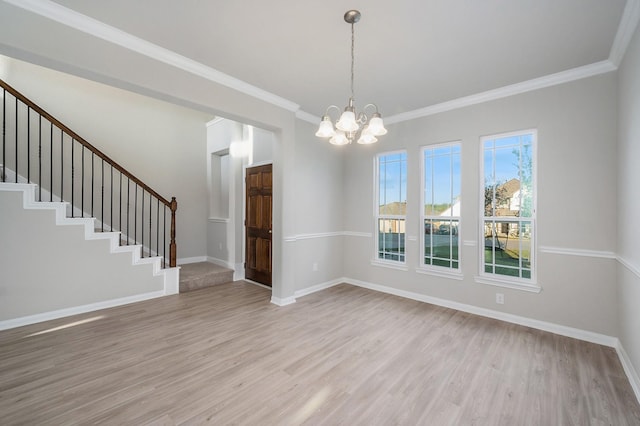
(172, 205)
(82, 141)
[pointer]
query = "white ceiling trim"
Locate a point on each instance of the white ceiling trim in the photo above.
(503, 92)
(627, 27)
(303, 115)
(88, 25)
(214, 121)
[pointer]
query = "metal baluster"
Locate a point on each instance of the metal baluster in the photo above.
(51, 161)
(135, 216)
(150, 211)
(102, 197)
(111, 202)
(120, 208)
(82, 185)
(28, 144)
(39, 158)
(92, 183)
(128, 204)
(142, 223)
(61, 166)
(158, 229)
(72, 177)
(17, 168)
(4, 133)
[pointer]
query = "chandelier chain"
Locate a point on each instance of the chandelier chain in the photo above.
(352, 59)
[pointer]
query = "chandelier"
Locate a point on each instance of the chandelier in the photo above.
(351, 125)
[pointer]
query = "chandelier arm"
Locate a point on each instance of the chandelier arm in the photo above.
(326, 112)
(372, 105)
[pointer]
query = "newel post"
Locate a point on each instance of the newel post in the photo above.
(172, 246)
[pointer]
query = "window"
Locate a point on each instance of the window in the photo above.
(391, 206)
(508, 209)
(441, 201)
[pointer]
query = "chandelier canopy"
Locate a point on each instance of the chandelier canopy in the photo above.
(352, 125)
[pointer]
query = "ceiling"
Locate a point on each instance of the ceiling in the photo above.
(410, 54)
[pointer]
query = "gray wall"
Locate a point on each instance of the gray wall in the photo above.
(629, 202)
(577, 157)
(319, 185)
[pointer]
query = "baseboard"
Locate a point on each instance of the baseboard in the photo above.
(562, 330)
(631, 373)
(318, 287)
(186, 260)
(238, 272)
(283, 301)
(61, 313)
(219, 262)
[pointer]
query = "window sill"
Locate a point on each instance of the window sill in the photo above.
(454, 275)
(390, 264)
(531, 287)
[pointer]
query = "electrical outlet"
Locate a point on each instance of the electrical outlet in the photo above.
(314, 268)
(500, 298)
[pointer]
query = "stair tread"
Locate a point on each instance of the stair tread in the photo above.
(196, 270)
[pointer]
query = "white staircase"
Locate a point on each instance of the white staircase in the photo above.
(55, 268)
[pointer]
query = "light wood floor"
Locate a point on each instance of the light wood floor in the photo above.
(343, 356)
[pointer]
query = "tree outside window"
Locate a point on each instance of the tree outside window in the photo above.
(508, 211)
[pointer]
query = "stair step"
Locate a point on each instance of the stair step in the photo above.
(194, 276)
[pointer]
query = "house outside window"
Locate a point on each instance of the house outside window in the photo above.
(391, 206)
(508, 207)
(441, 188)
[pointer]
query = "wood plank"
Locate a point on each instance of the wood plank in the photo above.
(346, 355)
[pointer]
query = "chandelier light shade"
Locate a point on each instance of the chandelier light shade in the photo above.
(352, 125)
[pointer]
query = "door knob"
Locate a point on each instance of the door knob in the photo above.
(270, 231)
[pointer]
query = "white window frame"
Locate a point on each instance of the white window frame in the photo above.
(449, 272)
(395, 264)
(526, 284)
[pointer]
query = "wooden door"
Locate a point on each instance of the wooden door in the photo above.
(257, 265)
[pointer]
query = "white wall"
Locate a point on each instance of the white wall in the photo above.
(48, 267)
(628, 206)
(223, 191)
(262, 146)
(577, 157)
(160, 143)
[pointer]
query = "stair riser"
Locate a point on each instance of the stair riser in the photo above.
(205, 281)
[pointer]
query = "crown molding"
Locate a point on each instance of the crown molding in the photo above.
(88, 25)
(506, 91)
(628, 24)
(215, 121)
(305, 116)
